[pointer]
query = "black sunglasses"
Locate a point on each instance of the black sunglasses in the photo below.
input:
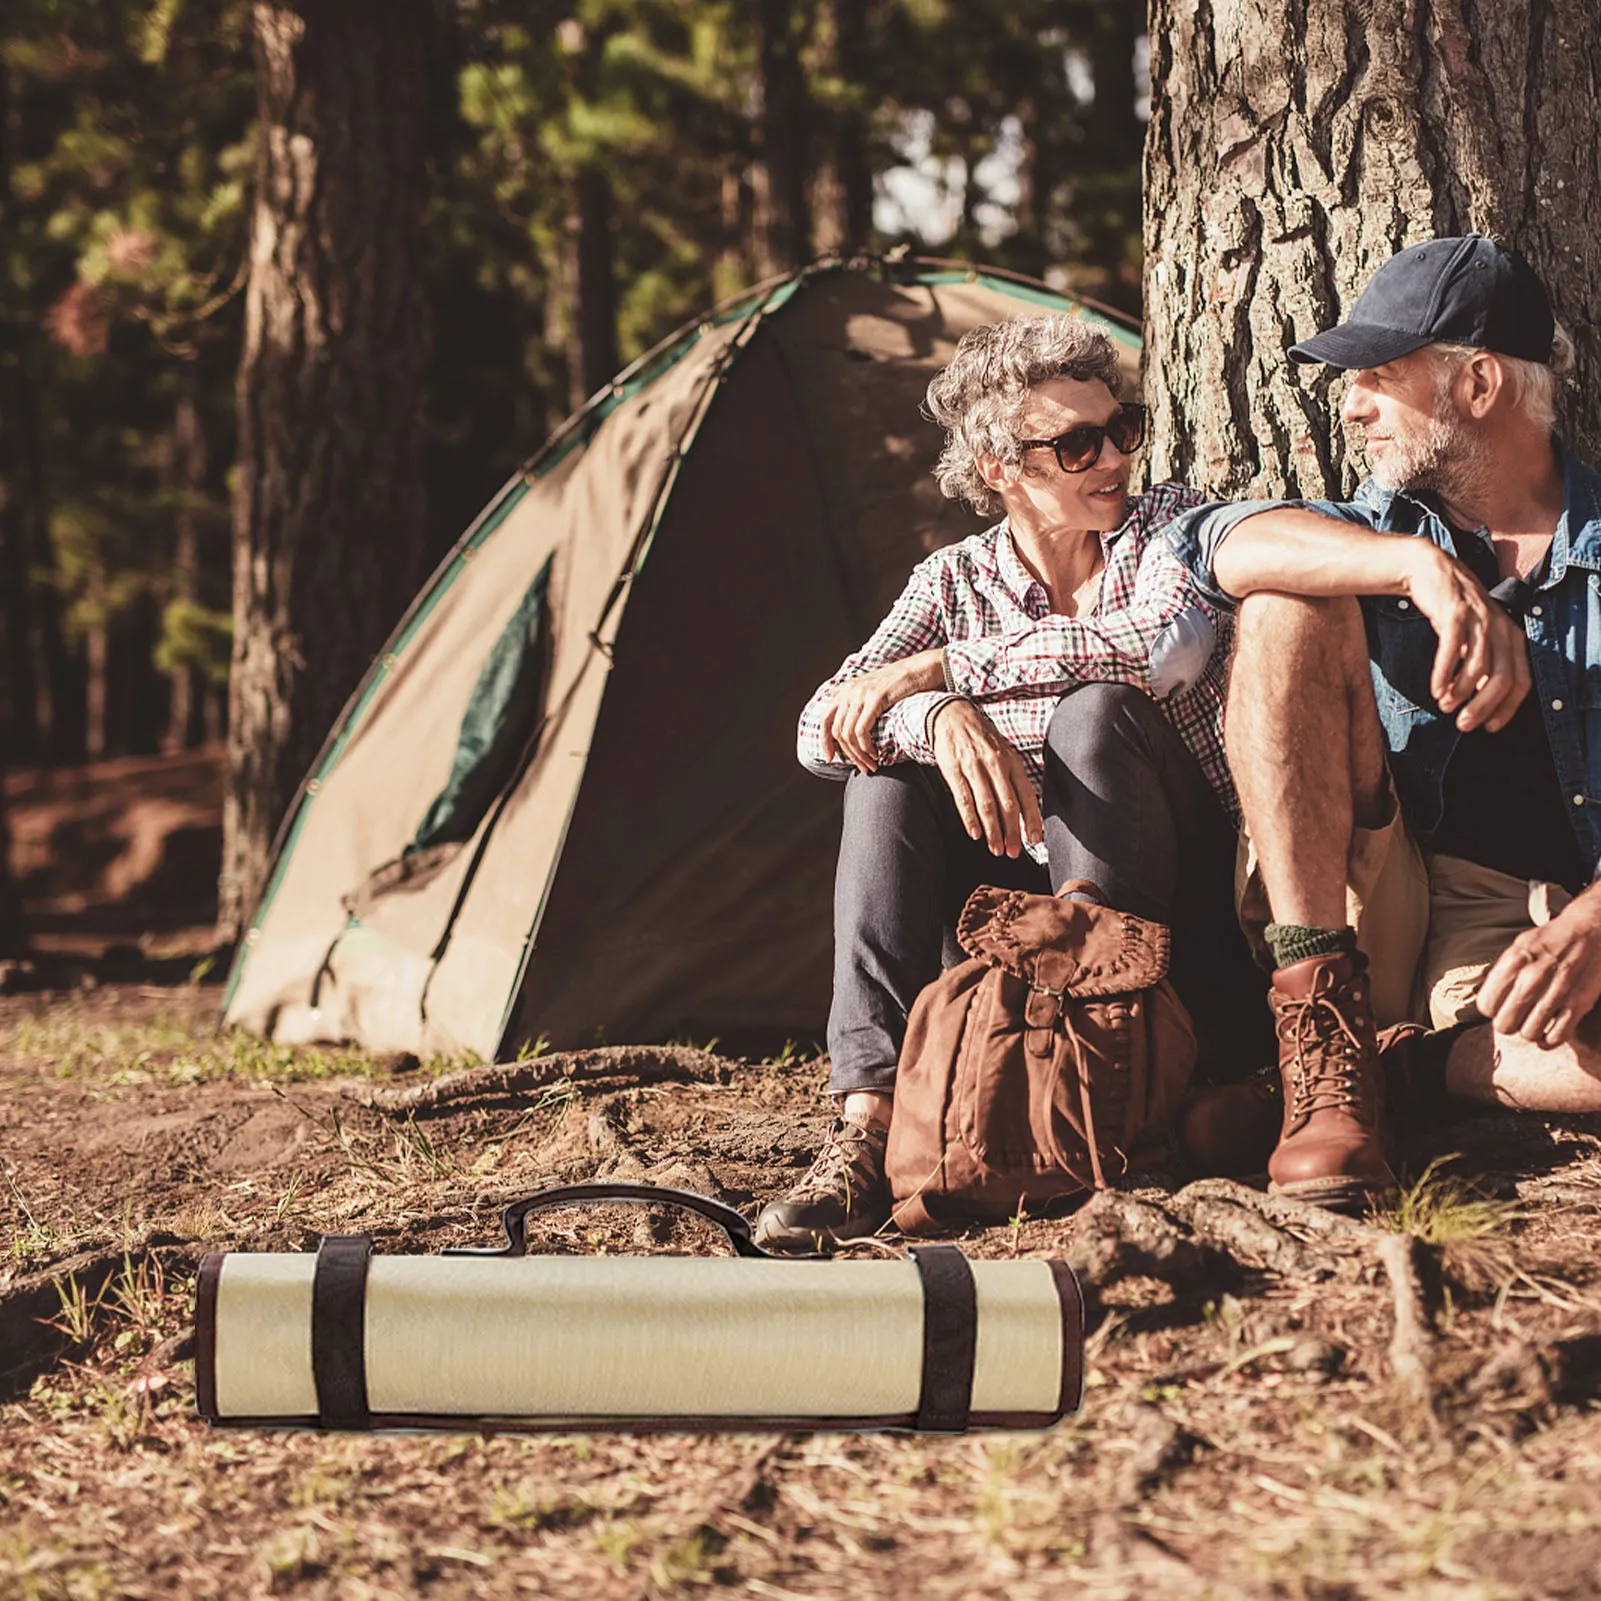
(1079, 448)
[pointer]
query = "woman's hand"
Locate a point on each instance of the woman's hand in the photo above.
(987, 779)
(853, 712)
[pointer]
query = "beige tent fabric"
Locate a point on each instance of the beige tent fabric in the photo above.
(587, 511)
(645, 1337)
(663, 866)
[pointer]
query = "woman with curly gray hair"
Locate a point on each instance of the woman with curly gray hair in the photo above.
(1042, 704)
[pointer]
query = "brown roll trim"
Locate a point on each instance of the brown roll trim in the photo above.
(950, 1339)
(339, 1330)
(1072, 1299)
(206, 1336)
(900, 1422)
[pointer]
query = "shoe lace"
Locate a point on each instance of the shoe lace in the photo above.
(1328, 1053)
(833, 1169)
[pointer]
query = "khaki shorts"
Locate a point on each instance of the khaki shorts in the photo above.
(1431, 930)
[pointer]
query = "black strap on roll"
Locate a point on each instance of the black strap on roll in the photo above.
(950, 1337)
(339, 1331)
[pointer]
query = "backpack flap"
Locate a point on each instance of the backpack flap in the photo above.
(1063, 947)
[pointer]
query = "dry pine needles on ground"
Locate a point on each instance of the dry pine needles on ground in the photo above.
(1280, 1402)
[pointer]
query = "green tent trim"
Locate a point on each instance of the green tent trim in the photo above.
(1035, 294)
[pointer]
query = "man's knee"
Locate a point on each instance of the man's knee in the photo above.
(1095, 718)
(1272, 623)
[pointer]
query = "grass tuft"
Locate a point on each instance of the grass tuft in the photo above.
(1443, 1210)
(174, 1051)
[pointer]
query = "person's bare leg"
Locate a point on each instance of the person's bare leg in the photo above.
(1305, 747)
(1504, 1070)
(1307, 754)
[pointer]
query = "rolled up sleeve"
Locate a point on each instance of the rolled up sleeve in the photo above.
(1195, 536)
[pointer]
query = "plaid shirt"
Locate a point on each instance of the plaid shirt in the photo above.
(1009, 653)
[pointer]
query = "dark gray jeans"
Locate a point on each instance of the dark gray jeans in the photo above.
(1127, 806)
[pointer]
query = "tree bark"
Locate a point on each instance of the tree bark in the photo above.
(590, 248)
(1115, 134)
(328, 516)
(1295, 146)
(592, 360)
(783, 226)
(96, 650)
(13, 931)
(842, 194)
(37, 664)
(189, 471)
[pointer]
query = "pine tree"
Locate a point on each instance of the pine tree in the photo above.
(328, 512)
(1290, 155)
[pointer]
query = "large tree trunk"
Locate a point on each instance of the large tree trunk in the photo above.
(328, 518)
(592, 324)
(13, 932)
(37, 664)
(97, 652)
(783, 223)
(590, 264)
(1115, 134)
(842, 192)
(189, 472)
(1294, 150)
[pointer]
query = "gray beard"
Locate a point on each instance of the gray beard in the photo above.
(1443, 459)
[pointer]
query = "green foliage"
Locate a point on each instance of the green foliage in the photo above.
(124, 208)
(195, 636)
(123, 226)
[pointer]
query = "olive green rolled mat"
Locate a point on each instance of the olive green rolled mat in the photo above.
(498, 1339)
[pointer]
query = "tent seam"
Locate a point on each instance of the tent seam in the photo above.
(629, 568)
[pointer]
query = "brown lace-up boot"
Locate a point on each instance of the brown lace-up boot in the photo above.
(843, 1196)
(1230, 1130)
(1331, 1147)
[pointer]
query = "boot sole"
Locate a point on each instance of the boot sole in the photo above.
(816, 1241)
(1351, 1196)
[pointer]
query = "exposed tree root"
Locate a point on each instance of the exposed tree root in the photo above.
(635, 1064)
(1214, 1235)
(1211, 1235)
(1284, 1212)
(1116, 1236)
(1412, 1342)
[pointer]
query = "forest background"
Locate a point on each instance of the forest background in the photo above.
(596, 173)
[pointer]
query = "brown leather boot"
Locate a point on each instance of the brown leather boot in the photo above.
(1331, 1148)
(843, 1197)
(1230, 1130)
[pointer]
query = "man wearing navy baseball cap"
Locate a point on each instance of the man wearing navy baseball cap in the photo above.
(1414, 727)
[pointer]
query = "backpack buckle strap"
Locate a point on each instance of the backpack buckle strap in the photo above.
(1042, 1010)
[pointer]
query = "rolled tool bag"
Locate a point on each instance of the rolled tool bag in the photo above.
(492, 1338)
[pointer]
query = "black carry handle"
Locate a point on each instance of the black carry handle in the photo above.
(514, 1219)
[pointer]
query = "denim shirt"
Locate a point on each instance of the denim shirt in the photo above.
(1561, 617)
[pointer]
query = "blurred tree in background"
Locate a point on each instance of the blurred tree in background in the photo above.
(596, 172)
(123, 155)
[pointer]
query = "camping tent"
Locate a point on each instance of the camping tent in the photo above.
(564, 802)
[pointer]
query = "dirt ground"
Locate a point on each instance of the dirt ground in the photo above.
(119, 857)
(1278, 1404)
(1251, 1425)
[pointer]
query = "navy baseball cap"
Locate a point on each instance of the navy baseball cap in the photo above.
(1468, 291)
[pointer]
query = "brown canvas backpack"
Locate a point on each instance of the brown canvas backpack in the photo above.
(1044, 1066)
